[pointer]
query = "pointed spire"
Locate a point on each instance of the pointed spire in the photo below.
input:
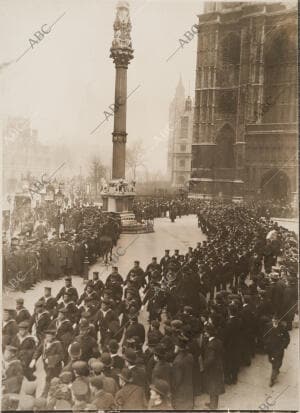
(180, 88)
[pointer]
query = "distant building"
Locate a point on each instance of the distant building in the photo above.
(180, 138)
(23, 154)
(245, 116)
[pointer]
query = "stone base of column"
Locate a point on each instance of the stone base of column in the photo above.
(120, 202)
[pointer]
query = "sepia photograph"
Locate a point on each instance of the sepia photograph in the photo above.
(150, 221)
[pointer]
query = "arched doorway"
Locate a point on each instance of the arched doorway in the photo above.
(224, 150)
(275, 184)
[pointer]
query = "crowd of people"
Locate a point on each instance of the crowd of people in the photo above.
(210, 310)
(148, 209)
(56, 245)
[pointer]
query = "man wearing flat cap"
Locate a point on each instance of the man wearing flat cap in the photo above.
(138, 371)
(182, 375)
(12, 375)
(213, 367)
(101, 399)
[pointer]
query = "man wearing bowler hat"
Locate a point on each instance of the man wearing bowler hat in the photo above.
(131, 396)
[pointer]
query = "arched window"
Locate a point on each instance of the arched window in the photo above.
(224, 149)
(280, 76)
(231, 49)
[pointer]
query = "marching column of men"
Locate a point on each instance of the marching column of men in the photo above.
(210, 311)
(47, 253)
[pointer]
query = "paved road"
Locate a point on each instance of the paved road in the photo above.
(252, 389)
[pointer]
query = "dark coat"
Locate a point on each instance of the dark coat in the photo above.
(232, 341)
(88, 345)
(9, 331)
(103, 400)
(135, 329)
(50, 303)
(72, 313)
(71, 290)
(275, 293)
(40, 322)
(182, 377)
(26, 347)
(139, 376)
(12, 376)
(117, 362)
(131, 397)
(162, 370)
(276, 339)
(213, 375)
(108, 324)
(52, 355)
(22, 315)
(64, 332)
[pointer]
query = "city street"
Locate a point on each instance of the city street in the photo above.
(252, 389)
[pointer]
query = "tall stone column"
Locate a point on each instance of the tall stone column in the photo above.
(121, 52)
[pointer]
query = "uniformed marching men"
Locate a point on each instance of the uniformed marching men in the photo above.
(9, 327)
(49, 301)
(276, 340)
(108, 322)
(72, 291)
(97, 284)
(52, 353)
(72, 312)
(26, 345)
(139, 274)
(64, 330)
(40, 321)
(165, 260)
(89, 294)
(22, 314)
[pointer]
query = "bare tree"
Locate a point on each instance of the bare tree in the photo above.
(97, 171)
(135, 156)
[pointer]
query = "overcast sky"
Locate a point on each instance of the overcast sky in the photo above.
(66, 81)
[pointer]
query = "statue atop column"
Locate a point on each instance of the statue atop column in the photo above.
(121, 50)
